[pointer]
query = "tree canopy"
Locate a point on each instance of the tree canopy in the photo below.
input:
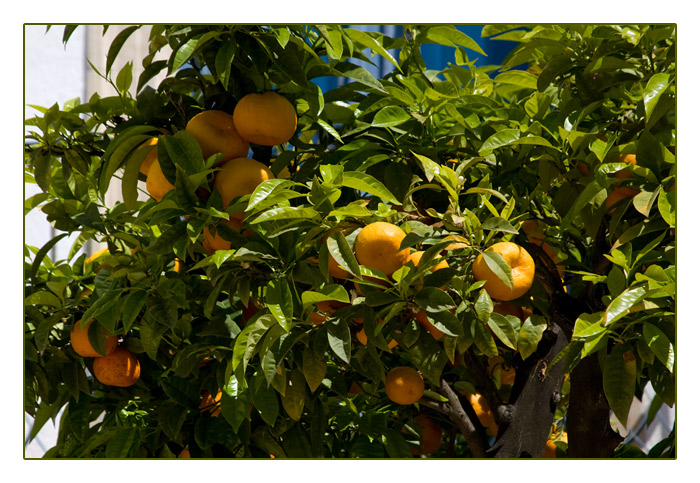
(566, 149)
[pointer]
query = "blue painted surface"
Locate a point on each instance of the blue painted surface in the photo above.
(436, 57)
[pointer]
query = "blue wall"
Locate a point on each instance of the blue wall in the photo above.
(436, 57)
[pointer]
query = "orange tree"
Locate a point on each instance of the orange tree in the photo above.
(257, 295)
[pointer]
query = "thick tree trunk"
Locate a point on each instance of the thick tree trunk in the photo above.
(526, 420)
(588, 421)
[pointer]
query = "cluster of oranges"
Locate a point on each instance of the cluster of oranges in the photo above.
(267, 119)
(117, 367)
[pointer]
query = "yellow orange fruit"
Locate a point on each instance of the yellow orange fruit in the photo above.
(362, 336)
(404, 385)
(431, 435)
(621, 192)
(185, 453)
(522, 268)
(497, 365)
(239, 177)
(629, 159)
(418, 254)
(422, 319)
(325, 310)
(121, 368)
(157, 184)
(150, 157)
(483, 412)
(81, 343)
(377, 246)
(215, 132)
(550, 449)
(210, 404)
(533, 230)
(96, 255)
(213, 241)
(267, 119)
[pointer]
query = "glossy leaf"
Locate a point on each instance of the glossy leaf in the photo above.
(619, 376)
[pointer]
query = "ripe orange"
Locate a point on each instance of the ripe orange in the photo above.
(185, 453)
(377, 246)
(211, 404)
(215, 133)
(621, 192)
(550, 449)
(431, 435)
(325, 310)
(267, 119)
(213, 241)
(483, 412)
(239, 177)
(533, 230)
(422, 319)
(362, 336)
(355, 388)
(121, 368)
(404, 385)
(95, 256)
(81, 344)
(417, 255)
(334, 269)
(497, 365)
(157, 184)
(522, 271)
(151, 156)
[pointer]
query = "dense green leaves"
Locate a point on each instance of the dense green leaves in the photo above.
(463, 151)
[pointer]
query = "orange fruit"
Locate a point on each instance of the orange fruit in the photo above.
(522, 271)
(404, 385)
(621, 192)
(157, 184)
(325, 310)
(121, 368)
(211, 404)
(215, 133)
(550, 449)
(334, 269)
(533, 230)
(178, 265)
(497, 365)
(422, 319)
(185, 453)
(506, 308)
(431, 435)
(267, 119)
(377, 246)
(417, 255)
(362, 336)
(354, 388)
(483, 412)
(213, 241)
(81, 344)
(150, 157)
(96, 255)
(239, 177)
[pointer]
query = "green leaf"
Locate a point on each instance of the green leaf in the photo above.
(530, 335)
(41, 255)
(340, 250)
(517, 78)
(183, 53)
(451, 36)
(339, 338)
(620, 306)
(265, 401)
(656, 86)
(389, 116)
(314, 368)
(498, 223)
(224, 61)
(133, 304)
(660, 345)
(366, 40)
(483, 306)
(125, 78)
(279, 301)
(619, 377)
(119, 446)
(294, 395)
(184, 151)
(498, 265)
(504, 330)
(117, 44)
(286, 213)
(667, 207)
(368, 184)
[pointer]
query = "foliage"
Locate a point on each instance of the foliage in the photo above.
(469, 151)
